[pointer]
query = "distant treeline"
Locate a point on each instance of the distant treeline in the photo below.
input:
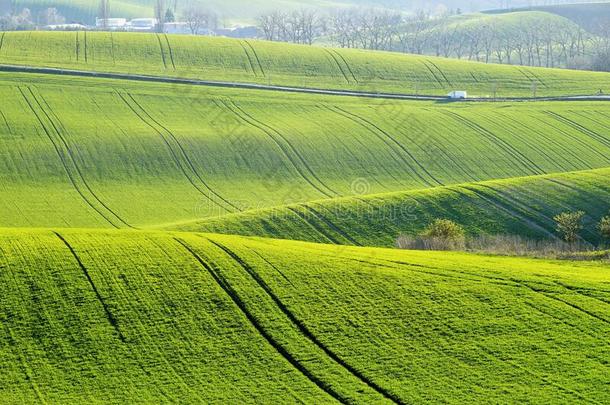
(526, 38)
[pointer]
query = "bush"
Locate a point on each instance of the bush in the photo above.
(512, 245)
(604, 228)
(569, 225)
(442, 234)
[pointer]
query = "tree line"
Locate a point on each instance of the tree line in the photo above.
(549, 42)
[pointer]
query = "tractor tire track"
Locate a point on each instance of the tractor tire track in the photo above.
(328, 223)
(373, 156)
(508, 210)
(65, 156)
(303, 217)
(533, 146)
(551, 140)
(575, 138)
(440, 83)
(170, 51)
(27, 371)
(109, 315)
(249, 59)
(441, 147)
(334, 58)
(112, 49)
(185, 155)
(390, 140)
(2, 41)
(72, 156)
(10, 131)
(258, 61)
(234, 296)
(305, 331)
(349, 68)
(85, 48)
(527, 163)
(514, 202)
(599, 138)
(273, 266)
(291, 153)
(77, 47)
(183, 164)
(440, 71)
(162, 51)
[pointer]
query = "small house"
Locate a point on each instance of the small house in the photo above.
(112, 24)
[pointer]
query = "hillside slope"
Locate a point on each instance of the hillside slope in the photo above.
(522, 206)
(100, 153)
(130, 316)
(285, 64)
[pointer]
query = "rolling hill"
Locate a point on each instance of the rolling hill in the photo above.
(78, 152)
(519, 206)
(586, 14)
(285, 64)
(149, 312)
(135, 317)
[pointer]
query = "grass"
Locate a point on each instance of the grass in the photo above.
(135, 315)
(129, 316)
(284, 64)
(78, 152)
(519, 206)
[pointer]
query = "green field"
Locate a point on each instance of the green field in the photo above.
(146, 317)
(521, 206)
(285, 64)
(175, 306)
(78, 152)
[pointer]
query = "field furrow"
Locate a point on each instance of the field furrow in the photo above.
(393, 143)
(304, 329)
(287, 148)
(69, 162)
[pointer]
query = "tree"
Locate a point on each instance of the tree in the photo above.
(51, 16)
(569, 225)
(604, 227)
(104, 12)
(197, 18)
(169, 16)
(160, 11)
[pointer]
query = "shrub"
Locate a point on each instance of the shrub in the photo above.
(443, 234)
(569, 225)
(604, 227)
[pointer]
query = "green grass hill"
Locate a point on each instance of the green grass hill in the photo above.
(521, 206)
(79, 152)
(148, 313)
(90, 316)
(284, 64)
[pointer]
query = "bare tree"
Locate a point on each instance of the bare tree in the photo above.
(160, 10)
(104, 12)
(197, 18)
(51, 16)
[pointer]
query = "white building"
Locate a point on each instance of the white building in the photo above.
(65, 27)
(142, 24)
(112, 24)
(458, 95)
